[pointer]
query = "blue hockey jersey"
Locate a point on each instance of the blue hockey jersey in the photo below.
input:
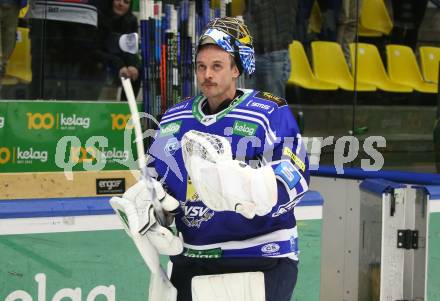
(262, 131)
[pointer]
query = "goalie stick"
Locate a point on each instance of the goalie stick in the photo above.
(160, 288)
(126, 83)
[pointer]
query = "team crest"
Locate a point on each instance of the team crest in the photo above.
(195, 212)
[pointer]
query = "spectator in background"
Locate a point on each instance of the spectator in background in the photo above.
(118, 19)
(347, 21)
(63, 38)
(9, 10)
(408, 16)
(330, 13)
(274, 28)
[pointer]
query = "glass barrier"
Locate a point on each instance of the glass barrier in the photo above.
(362, 76)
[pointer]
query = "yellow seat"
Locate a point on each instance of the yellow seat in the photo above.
(430, 59)
(8, 80)
(315, 22)
(19, 64)
(23, 11)
(374, 16)
(329, 65)
(301, 73)
(371, 70)
(403, 69)
(365, 32)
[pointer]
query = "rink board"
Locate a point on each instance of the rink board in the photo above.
(81, 256)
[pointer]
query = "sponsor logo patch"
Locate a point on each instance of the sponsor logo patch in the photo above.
(270, 248)
(211, 253)
(110, 186)
(243, 128)
(269, 96)
(288, 152)
(170, 128)
(260, 106)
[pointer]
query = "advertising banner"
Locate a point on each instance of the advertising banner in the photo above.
(41, 136)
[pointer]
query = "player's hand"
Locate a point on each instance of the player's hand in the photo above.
(133, 73)
(123, 72)
(136, 211)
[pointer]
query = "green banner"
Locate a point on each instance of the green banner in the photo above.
(105, 266)
(37, 136)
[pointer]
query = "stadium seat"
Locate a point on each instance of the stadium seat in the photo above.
(365, 32)
(403, 69)
(19, 64)
(430, 59)
(370, 68)
(374, 16)
(329, 65)
(301, 73)
(315, 21)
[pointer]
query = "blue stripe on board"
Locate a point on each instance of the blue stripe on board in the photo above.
(396, 176)
(311, 198)
(55, 207)
(27, 208)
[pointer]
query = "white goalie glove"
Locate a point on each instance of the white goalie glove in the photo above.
(224, 184)
(136, 211)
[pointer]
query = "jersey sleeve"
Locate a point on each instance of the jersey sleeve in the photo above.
(287, 155)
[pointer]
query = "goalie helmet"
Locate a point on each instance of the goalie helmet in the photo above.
(233, 36)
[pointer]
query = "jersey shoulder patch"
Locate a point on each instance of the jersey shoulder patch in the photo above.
(270, 97)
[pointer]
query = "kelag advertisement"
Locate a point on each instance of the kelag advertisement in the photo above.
(39, 136)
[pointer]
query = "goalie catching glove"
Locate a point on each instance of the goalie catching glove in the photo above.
(137, 213)
(224, 184)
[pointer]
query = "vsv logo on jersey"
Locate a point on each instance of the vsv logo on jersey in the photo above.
(171, 146)
(194, 214)
(243, 128)
(170, 128)
(195, 211)
(2, 122)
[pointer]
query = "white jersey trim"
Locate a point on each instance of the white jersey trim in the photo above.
(279, 235)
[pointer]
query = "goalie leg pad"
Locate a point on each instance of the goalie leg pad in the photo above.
(229, 287)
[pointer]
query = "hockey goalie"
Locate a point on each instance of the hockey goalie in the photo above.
(229, 167)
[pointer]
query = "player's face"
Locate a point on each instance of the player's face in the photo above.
(215, 73)
(121, 7)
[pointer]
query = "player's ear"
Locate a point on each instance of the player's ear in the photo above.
(235, 72)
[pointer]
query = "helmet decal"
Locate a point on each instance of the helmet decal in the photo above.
(232, 35)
